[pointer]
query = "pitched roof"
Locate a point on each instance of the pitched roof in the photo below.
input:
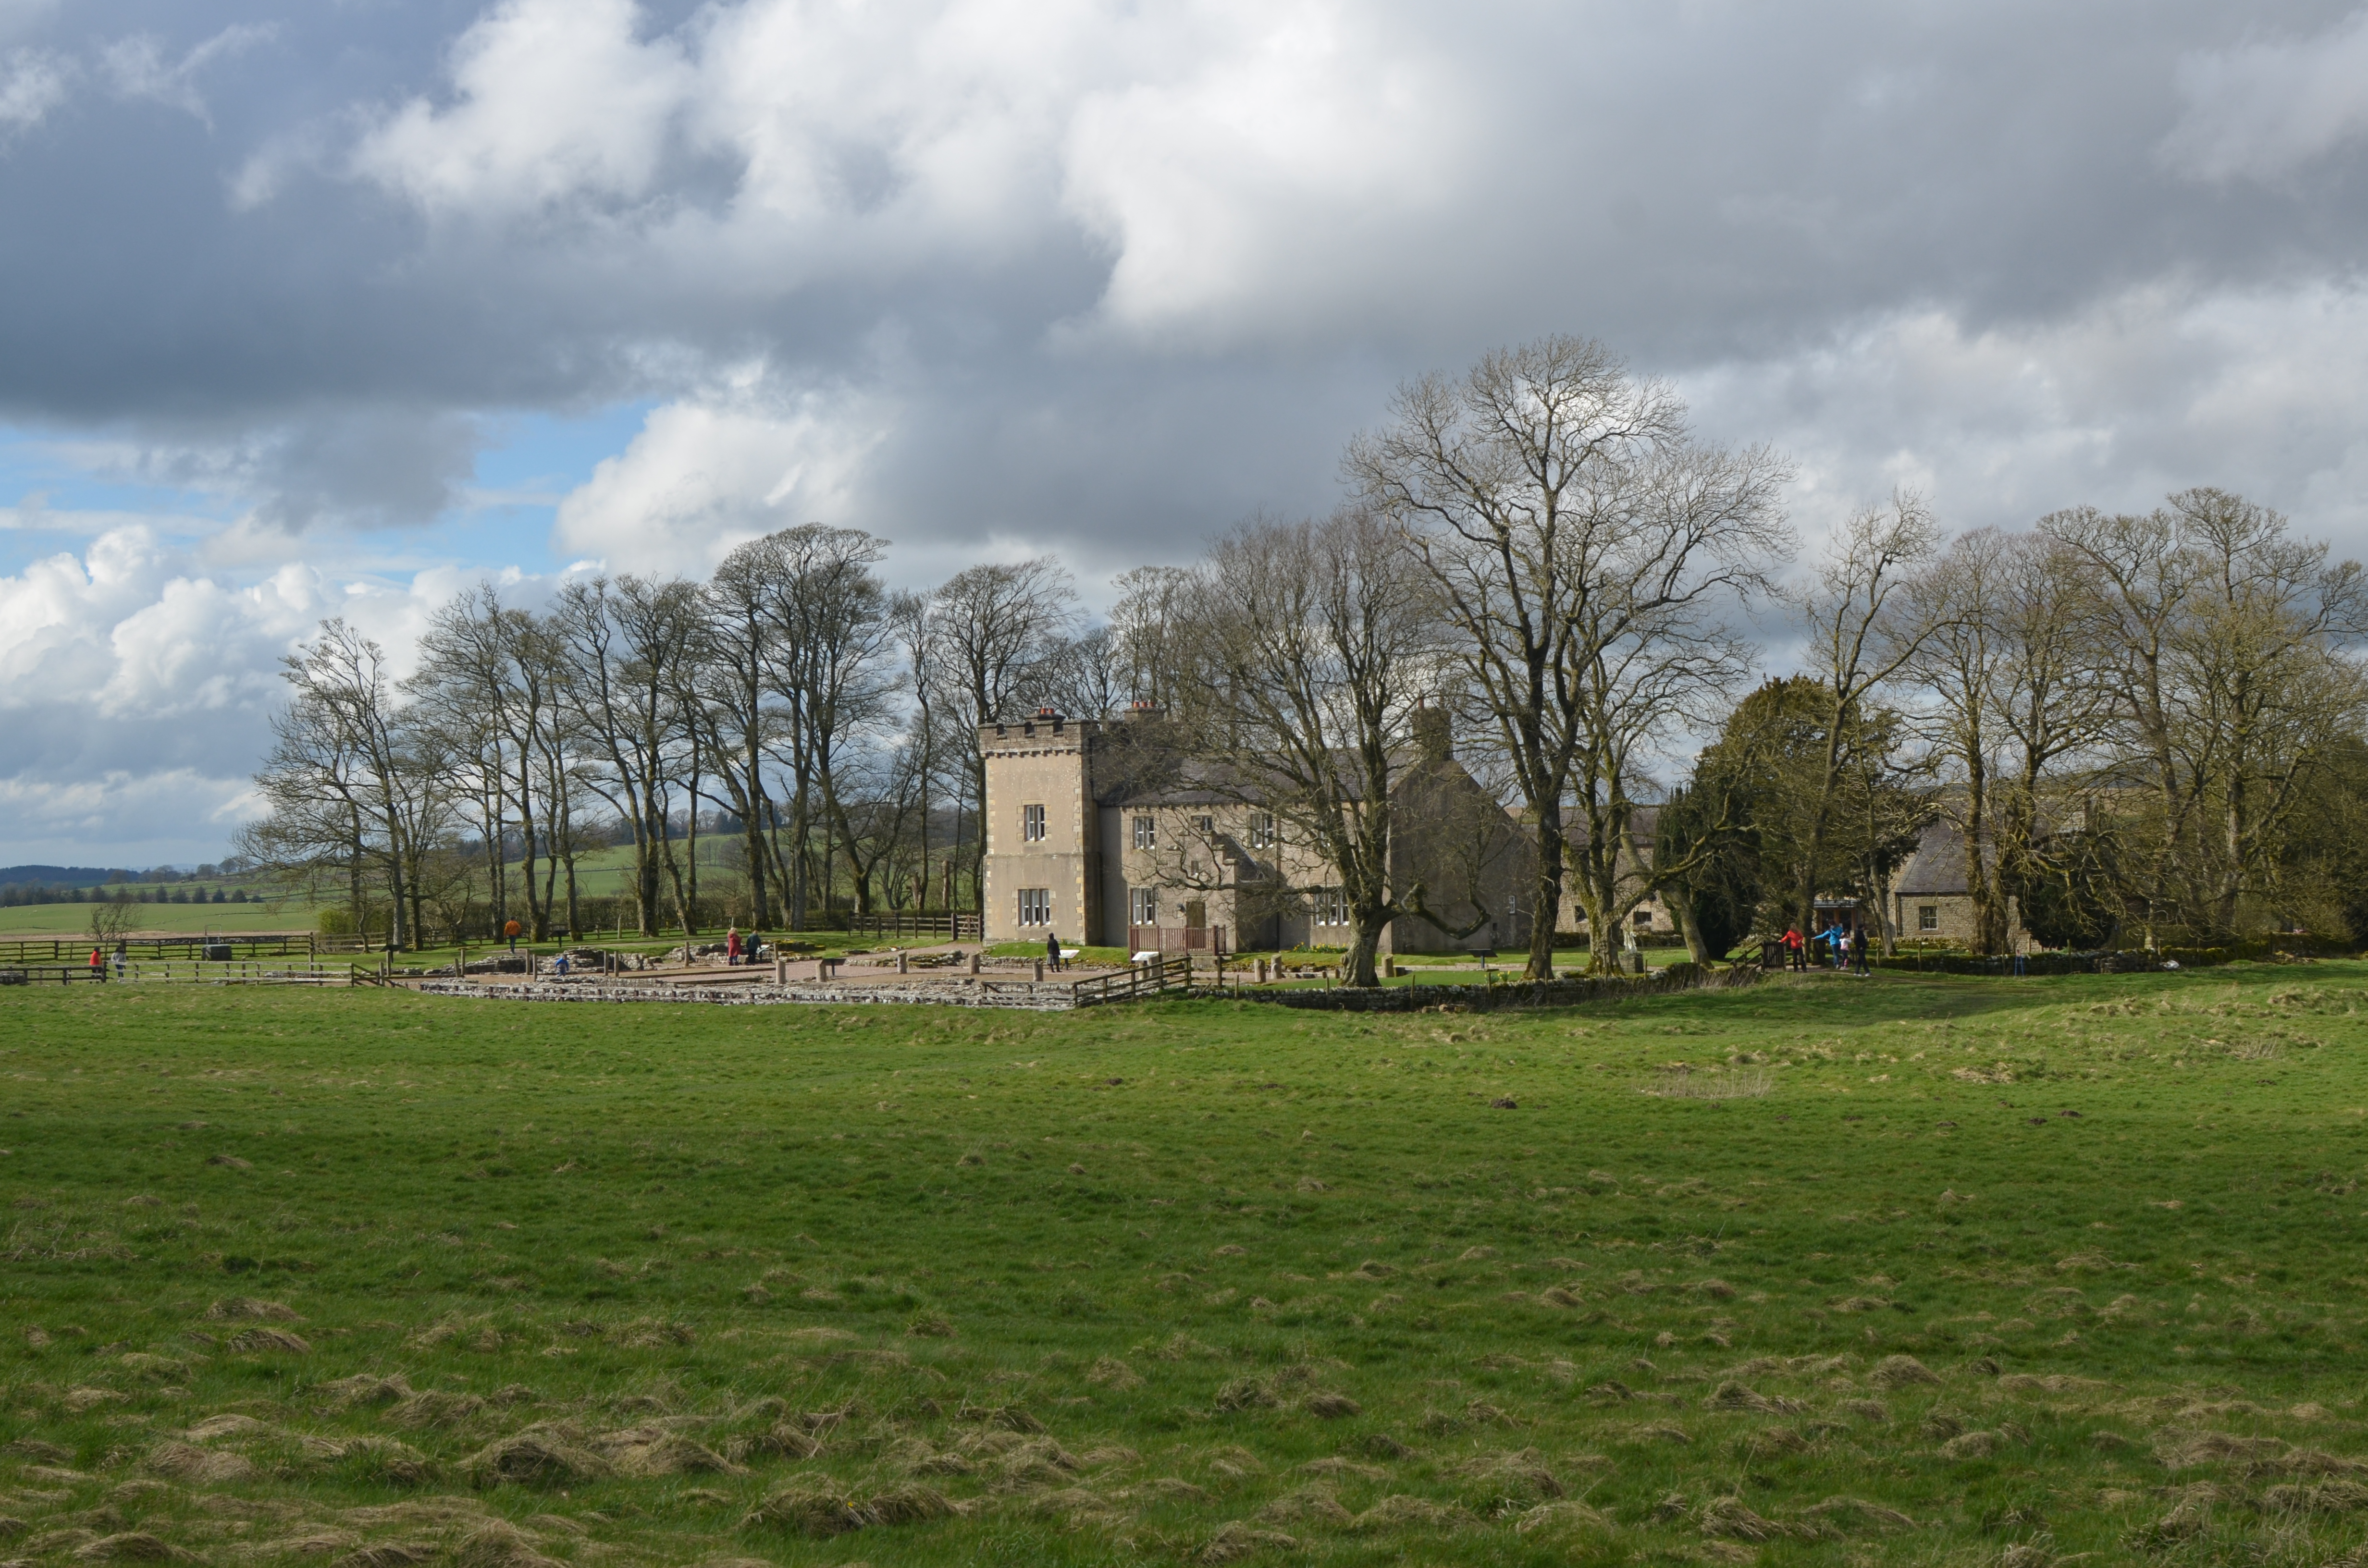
(1157, 775)
(1937, 870)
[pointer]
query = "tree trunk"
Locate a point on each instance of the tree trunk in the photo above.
(753, 825)
(1989, 915)
(1680, 901)
(1358, 969)
(1547, 911)
(574, 918)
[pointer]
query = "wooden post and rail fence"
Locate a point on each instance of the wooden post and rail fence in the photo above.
(239, 948)
(192, 971)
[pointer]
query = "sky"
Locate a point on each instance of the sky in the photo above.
(335, 308)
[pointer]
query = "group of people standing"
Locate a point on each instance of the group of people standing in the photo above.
(1845, 947)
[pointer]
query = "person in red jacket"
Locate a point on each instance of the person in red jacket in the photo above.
(732, 948)
(1794, 956)
(98, 964)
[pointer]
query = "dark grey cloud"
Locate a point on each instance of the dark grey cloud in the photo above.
(1695, 182)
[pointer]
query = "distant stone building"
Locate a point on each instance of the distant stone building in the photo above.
(1651, 917)
(1930, 896)
(1104, 835)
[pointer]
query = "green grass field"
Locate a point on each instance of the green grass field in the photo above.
(161, 919)
(1888, 1271)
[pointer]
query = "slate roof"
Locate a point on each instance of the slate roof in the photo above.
(1937, 870)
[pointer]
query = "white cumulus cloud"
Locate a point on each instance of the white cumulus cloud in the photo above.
(706, 472)
(551, 97)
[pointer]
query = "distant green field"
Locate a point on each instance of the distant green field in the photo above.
(174, 919)
(1899, 1270)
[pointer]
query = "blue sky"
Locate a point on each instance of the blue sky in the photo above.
(501, 519)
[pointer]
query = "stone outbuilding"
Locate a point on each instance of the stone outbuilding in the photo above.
(1929, 897)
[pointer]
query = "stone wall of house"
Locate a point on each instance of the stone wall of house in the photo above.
(1045, 763)
(1650, 918)
(1951, 916)
(1208, 863)
(1457, 843)
(1209, 854)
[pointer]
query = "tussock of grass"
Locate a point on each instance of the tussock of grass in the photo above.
(1680, 1082)
(535, 1458)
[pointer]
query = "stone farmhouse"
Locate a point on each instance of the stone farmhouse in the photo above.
(1929, 899)
(1104, 835)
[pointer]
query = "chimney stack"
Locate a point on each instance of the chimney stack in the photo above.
(1433, 741)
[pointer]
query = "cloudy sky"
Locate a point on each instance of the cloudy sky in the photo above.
(336, 307)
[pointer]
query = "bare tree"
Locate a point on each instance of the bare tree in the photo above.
(1578, 541)
(830, 660)
(2224, 639)
(1145, 628)
(740, 704)
(1683, 540)
(1960, 659)
(1310, 644)
(464, 686)
(2051, 704)
(348, 775)
(110, 917)
(630, 642)
(1084, 675)
(997, 628)
(1861, 632)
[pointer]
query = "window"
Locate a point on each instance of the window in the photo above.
(1031, 822)
(1205, 826)
(1644, 920)
(1147, 833)
(1331, 906)
(1035, 906)
(1261, 830)
(1928, 917)
(1143, 907)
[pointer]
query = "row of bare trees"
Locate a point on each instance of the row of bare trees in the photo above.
(2141, 727)
(822, 721)
(2131, 721)
(2132, 715)
(2170, 691)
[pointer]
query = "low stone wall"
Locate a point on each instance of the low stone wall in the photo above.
(958, 994)
(1491, 999)
(2123, 962)
(1051, 997)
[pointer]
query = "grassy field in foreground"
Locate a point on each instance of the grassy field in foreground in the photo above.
(1891, 1270)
